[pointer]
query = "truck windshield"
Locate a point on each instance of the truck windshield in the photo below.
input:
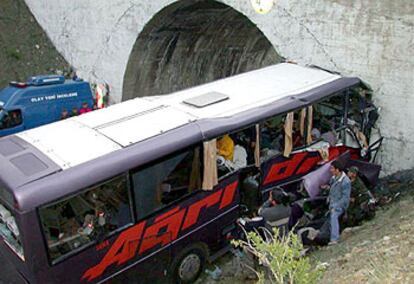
(9, 231)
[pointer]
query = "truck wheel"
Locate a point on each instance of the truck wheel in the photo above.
(188, 264)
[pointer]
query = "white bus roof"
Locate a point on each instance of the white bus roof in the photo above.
(80, 139)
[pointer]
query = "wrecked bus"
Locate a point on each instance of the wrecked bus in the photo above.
(153, 194)
(40, 100)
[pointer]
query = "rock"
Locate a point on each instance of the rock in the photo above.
(386, 238)
(323, 265)
(215, 274)
(364, 243)
(356, 250)
(37, 46)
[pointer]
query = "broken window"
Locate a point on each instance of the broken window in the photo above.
(328, 117)
(75, 222)
(236, 150)
(9, 230)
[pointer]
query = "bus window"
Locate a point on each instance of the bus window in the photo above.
(328, 117)
(9, 231)
(355, 106)
(236, 150)
(298, 129)
(272, 137)
(167, 181)
(73, 223)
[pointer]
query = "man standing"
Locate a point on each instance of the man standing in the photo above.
(359, 207)
(339, 196)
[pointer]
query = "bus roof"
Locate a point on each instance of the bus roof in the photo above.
(104, 143)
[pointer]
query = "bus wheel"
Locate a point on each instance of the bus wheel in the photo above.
(189, 264)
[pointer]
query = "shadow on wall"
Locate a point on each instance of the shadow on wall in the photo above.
(190, 43)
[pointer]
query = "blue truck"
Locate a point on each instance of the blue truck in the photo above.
(40, 100)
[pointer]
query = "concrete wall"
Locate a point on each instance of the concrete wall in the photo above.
(371, 39)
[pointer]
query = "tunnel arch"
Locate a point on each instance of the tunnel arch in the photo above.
(194, 42)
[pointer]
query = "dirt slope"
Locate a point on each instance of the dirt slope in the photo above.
(379, 251)
(25, 50)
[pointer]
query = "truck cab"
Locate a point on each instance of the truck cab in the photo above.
(40, 100)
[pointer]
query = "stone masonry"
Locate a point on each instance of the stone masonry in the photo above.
(371, 39)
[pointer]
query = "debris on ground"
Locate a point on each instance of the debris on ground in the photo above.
(379, 251)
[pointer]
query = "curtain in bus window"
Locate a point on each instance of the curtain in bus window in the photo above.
(257, 146)
(310, 125)
(149, 186)
(288, 134)
(302, 117)
(210, 165)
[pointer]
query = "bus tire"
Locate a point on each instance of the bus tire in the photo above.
(189, 263)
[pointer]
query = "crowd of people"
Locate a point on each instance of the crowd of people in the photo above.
(75, 112)
(348, 202)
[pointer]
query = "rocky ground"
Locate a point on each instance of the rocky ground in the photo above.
(378, 251)
(25, 50)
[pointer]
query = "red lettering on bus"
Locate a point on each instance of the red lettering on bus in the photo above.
(123, 249)
(126, 245)
(229, 193)
(283, 170)
(153, 235)
(194, 209)
(308, 165)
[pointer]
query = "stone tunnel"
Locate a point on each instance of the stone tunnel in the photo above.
(155, 47)
(190, 43)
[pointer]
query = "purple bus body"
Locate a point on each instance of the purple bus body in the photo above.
(49, 184)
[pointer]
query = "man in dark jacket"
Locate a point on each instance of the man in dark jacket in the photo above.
(360, 207)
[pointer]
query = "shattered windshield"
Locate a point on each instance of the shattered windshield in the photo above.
(9, 231)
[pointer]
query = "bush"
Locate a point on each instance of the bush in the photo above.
(280, 259)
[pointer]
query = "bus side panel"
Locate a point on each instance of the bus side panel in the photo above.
(34, 245)
(279, 169)
(150, 244)
(209, 231)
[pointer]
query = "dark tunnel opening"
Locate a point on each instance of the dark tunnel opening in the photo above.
(193, 42)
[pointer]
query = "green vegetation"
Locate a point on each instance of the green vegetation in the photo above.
(281, 259)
